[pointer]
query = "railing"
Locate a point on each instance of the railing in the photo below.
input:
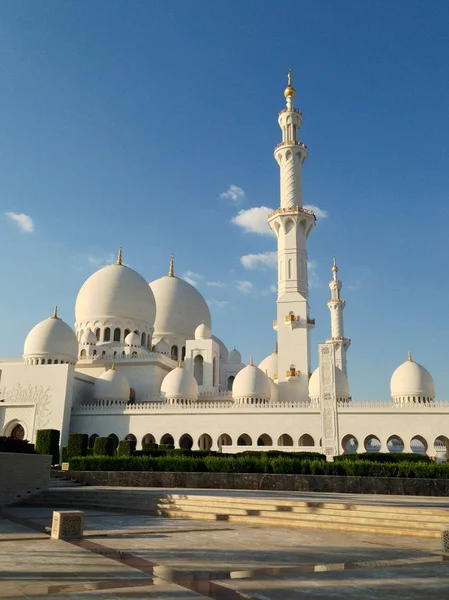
(290, 143)
(293, 209)
(392, 406)
(296, 110)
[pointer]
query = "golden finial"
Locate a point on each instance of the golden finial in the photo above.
(409, 358)
(277, 347)
(55, 312)
(251, 364)
(289, 91)
(120, 254)
(334, 266)
(180, 364)
(171, 269)
(113, 367)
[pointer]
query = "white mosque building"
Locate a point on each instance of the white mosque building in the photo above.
(142, 362)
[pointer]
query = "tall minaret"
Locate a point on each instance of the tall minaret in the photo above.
(336, 306)
(292, 223)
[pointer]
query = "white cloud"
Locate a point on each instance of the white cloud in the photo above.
(263, 260)
(102, 261)
(319, 212)
(254, 220)
(217, 303)
(192, 278)
(234, 193)
(217, 284)
(245, 287)
(24, 222)
(270, 290)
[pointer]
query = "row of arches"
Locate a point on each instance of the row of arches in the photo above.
(47, 361)
(107, 334)
(394, 443)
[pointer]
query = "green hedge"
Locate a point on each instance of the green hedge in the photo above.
(77, 445)
(103, 446)
(47, 442)
(262, 464)
(64, 455)
(126, 448)
(389, 457)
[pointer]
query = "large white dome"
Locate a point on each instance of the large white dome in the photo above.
(251, 383)
(180, 308)
(411, 382)
(224, 352)
(51, 339)
(116, 292)
(179, 384)
(269, 365)
(112, 385)
(342, 384)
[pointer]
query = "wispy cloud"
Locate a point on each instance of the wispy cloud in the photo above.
(234, 193)
(319, 212)
(217, 284)
(263, 260)
(24, 222)
(101, 261)
(245, 287)
(271, 290)
(313, 277)
(254, 220)
(218, 303)
(192, 278)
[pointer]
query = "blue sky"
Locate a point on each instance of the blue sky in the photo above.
(128, 121)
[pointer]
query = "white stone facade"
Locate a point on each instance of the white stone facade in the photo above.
(142, 361)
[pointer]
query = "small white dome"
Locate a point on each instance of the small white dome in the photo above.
(112, 385)
(202, 332)
(412, 380)
(342, 384)
(274, 391)
(251, 382)
(180, 308)
(88, 338)
(224, 352)
(162, 347)
(269, 365)
(234, 356)
(133, 339)
(116, 292)
(51, 338)
(180, 384)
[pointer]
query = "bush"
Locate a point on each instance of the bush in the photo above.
(147, 447)
(64, 455)
(126, 448)
(77, 445)
(10, 444)
(47, 442)
(166, 447)
(103, 446)
(388, 457)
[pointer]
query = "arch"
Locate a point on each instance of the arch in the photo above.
(419, 445)
(372, 443)
(92, 438)
(167, 439)
(289, 268)
(224, 440)
(244, 440)
(117, 334)
(264, 440)
(42, 361)
(115, 439)
(131, 438)
(350, 444)
(306, 440)
(134, 354)
(16, 431)
(48, 361)
(289, 224)
(205, 442)
(395, 444)
(230, 383)
(174, 352)
(107, 334)
(97, 333)
(148, 438)
(285, 440)
(441, 447)
(214, 372)
(183, 353)
(186, 441)
(132, 396)
(198, 368)
(143, 339)
(127, 331)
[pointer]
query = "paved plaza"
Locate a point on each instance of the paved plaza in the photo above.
(135, 556)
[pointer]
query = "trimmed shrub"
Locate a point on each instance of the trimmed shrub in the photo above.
(149, 447)
(126, 448)
(77, 445)
(47, 442)
(10, 444)
(388, 457)
(166, 447)
(104, 446)
(64, 455)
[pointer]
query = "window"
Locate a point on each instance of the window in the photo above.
(230, 382)
(198, 368)
(117, 334)
(174, 352)
(143, 340)
(97, 334)
(126, 332)
(107, 335)
(214, 372)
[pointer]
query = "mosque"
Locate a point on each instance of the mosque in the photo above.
(142, 362)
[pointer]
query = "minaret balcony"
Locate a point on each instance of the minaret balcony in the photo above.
(292, 321)
(290, 143)
(342, 340)
(292, 210)
(275, 325)
(292, 375)
(295, 110)
(310, 323)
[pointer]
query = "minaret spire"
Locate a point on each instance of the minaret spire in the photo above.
(336, 306)
(120, 255)
(171, 268)
(55, 312)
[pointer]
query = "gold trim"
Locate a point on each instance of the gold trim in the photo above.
(120, 255)
(171, 268)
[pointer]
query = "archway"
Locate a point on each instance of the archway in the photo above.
(114, 439)
(174, 352)
(186, 442)
(131, 438)
(230, 383)
(92, 439)
(395, 444)
(205, 442)
(285, 440)
(224, 440)
(441, 448)
(418, 445)
(372, 443)
(198, 368)
(264, 440)
(349, 444)
(17, 432)
(306, 440)
(167, 440)
(244, 440)
(148, 438)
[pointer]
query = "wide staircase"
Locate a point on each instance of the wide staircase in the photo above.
(374, 514)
